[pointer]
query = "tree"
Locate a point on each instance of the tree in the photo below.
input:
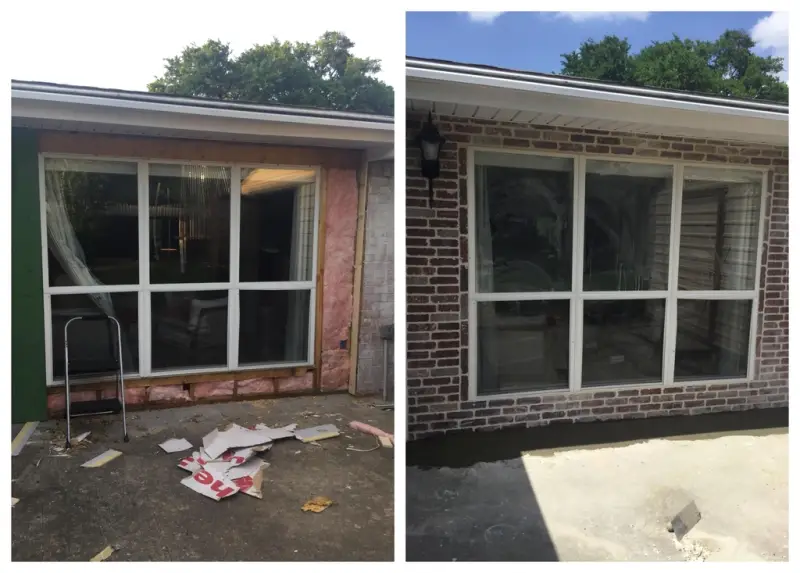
(322, 74)
(726, 66)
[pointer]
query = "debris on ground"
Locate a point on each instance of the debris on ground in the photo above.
(367, 429)
(386, 442)
(175, 445)
(352, 449)
(104, 554)
(22, 437)
(102, 459)
(226, 464)
(14, 501)
(80, 438)
(682, 523)
(317, 504)
(317, 433)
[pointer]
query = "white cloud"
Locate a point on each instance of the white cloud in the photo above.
(605, 16)
(771, 35)
(89, 43)
(484, 17)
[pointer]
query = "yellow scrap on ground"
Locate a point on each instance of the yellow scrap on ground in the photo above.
(317, 504)
(103, 555)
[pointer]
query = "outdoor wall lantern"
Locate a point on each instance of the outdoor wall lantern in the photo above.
(430, 144)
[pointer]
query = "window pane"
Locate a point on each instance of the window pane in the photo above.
(273, 326)
(719, 229)
(523, 346)
(93, 344)
(623, 342)
(523, 220)
(627, 226)
(92, 224)
(190, 329)
(713, 339)
(189, 223)
(277, 232)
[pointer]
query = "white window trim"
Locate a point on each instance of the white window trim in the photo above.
(145, 289)
(576, 296)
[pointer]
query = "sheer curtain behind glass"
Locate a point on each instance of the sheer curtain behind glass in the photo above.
(91, 218)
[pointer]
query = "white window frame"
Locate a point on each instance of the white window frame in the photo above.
(577, 296)
(144, 288)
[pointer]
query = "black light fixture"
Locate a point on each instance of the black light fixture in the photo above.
(430, 144)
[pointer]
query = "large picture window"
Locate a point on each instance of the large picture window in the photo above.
(206, 267)
(591, 273)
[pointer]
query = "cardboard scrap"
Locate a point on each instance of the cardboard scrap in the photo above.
(22, 437)
(210, 482)
(80, 438)
(175, 445)
(317, 504)
(249, 477)
(14, 501)
(317, 433)
(102, 459)
(103, 555)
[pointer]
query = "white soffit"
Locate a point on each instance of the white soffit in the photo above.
(515, 100)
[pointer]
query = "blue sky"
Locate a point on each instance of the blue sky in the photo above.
(535, 40)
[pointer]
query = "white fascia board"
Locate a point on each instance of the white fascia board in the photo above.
(209, 120)
(460, 88)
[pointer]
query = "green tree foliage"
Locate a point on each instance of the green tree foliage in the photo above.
(321, 74)
(726, 66)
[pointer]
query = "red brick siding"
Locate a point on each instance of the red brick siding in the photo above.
(438, 301)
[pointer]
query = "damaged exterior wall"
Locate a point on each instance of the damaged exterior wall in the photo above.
(437, 286)
(377, 294)
(33, 400)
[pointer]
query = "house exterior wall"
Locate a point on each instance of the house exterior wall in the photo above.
(32, 399)
(377, 293)
(438, 296)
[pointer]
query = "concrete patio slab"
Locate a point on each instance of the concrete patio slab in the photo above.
(137, 502)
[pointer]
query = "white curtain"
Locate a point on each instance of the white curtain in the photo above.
(300, 269)
(65, 247)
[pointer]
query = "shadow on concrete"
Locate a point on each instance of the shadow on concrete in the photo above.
(462, 507)
(485, 513)
(463, 449)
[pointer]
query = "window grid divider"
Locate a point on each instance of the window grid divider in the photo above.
(233, 267)
(576, 303)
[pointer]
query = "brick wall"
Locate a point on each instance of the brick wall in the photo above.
(437, 287)
(377, 294)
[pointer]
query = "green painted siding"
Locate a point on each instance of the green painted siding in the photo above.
(28, 384)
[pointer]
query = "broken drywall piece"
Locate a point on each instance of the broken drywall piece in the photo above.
(211, 483)
(104, 554)
(317, 504)
(14, 501)
(317, 433)
(686, 519)
(175, 445)
(233, 437)
(386, 442)
(102, 459)
(22, 437)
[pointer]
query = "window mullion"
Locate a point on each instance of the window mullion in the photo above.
(671, 312)
(576, 305)
(233, 292)
(144, 330)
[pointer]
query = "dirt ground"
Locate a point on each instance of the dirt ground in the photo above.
(607, 502)
(137, 502)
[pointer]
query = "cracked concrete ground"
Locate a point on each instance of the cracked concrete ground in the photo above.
(70, 513)
(608, 502)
